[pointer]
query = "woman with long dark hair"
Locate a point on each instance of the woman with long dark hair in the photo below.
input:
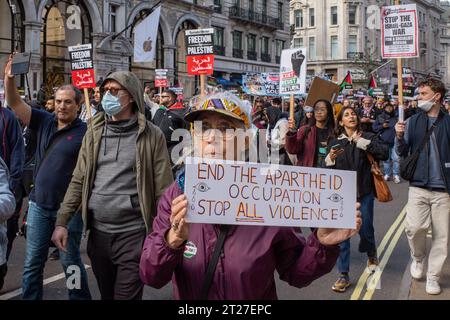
(310, 141)
(348, 151)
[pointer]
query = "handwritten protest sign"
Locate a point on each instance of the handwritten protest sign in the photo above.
(82, 66)
(161, 80)
(228, 192)
(261, 84)
(399, 32)
(200, 51)
(293, 71)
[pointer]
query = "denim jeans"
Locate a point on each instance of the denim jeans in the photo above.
(393, 168)
(40, 227)
(366, 233)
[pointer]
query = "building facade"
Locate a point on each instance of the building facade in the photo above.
(249, 36)
(342, 35)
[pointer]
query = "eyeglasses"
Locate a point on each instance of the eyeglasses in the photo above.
(165, 97)
(207, 130)
(113, 91)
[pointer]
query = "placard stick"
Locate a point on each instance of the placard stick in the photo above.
(291, 108)
(400, 85)
(202, 85)
(87, 103)
(160, 98)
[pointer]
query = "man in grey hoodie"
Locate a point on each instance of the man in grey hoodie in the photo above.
(122, 169)
(7, 206)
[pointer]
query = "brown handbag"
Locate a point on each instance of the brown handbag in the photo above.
(381, 188)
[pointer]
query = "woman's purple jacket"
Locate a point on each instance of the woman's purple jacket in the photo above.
(246, 268)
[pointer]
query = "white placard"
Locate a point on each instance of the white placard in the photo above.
(244, 193)
(293, 71)
(399, 32)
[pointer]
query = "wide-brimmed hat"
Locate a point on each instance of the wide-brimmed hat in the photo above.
(224, 103)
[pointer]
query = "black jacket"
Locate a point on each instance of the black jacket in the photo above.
(386, 134)
(417, 127)
(355, 159)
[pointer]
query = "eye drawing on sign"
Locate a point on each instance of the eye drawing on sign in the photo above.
(202, 187)
(297, 59)
(338, 199)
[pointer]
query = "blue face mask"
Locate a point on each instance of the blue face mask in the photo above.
(111, 104)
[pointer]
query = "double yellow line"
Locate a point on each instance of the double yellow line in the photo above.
(396, 229)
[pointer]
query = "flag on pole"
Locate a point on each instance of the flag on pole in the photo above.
(145, 37)
(347, 81)
(372, 84)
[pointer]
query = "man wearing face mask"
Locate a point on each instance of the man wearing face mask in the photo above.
(428, 199)
(122, 170)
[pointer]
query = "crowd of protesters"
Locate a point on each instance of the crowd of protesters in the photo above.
(108, 171)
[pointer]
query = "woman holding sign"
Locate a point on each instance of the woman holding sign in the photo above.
(349, 152)
(207, 261)
(310, 141)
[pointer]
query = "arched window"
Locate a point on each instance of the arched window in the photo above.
(145, 71)
(189, 83)
(63, 22)
(11, 30)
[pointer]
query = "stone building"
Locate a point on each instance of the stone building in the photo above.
(342, 35)
(249, 37)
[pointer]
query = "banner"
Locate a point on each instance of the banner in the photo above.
(399, 32)
(82, 66)
(145, 37)
(242, 193)
(200, 51)
(261, 84)
(293, 71)
(71, 17)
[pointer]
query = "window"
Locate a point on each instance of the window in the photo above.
(251, 5)
(237, 3)
(312, 48)
(352, 43)
(251, 42)
(298, 42)
(112, 18)
(312, 21)
(279, 48)
(334, 15)
(334, 47)
(218, 36)
(352, 14)
(217, 6)
(237, 40)
(264, 8)
(298, 18)
(265, 45)
(280, 11)
(237, 44)
(218, 41)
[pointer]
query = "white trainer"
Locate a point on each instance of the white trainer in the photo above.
(386, 177)
(432, 286)
(417, 269)
(397, 179)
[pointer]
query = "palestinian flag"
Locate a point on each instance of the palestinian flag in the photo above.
(346, 82)
(372, 85)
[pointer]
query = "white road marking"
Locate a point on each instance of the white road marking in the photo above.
(18, 292)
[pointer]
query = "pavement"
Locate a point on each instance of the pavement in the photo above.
(412, 289)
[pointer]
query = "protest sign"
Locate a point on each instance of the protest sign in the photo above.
(161, 78)
(179, 92)
(243, 193)
(322, 89)
(399, 32)
(261, 84)
(200, 51)
(293, 71)
(82, 66)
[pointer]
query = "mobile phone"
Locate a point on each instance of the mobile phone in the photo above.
(336, 147)
(20, 63)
